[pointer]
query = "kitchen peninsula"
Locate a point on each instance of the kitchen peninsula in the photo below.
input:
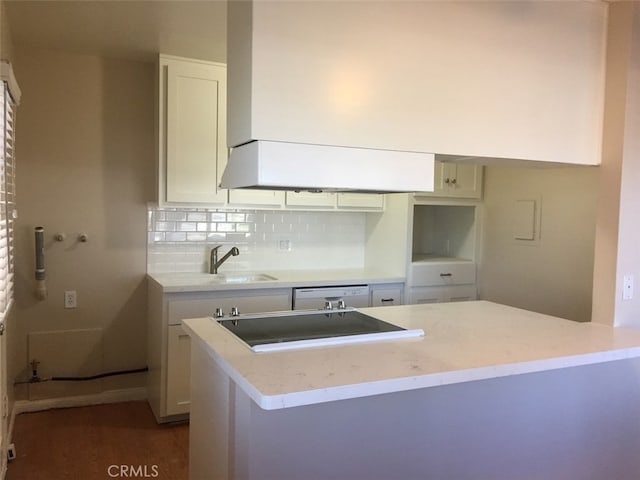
(489, 392)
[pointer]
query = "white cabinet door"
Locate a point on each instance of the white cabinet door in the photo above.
(418, 295)
(311, 199)
(459, 293)
(386, 295)
(178, 370)
(361, 201)
(456, 180)
(192, 137)
(249, 197)
(464, 180)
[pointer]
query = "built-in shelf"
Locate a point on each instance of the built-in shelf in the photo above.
(443, 232)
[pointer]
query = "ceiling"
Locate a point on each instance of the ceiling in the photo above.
(131, 29)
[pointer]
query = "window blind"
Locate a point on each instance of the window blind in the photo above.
(7, 198)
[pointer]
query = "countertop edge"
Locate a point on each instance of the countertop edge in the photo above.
(289, 279)
(346, 392)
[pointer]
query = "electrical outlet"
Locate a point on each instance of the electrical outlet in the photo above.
(70, 299)
(11, 451)
(285, 245)
(627, 287)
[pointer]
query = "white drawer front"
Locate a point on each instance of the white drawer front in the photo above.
(459, 293)
(440, 274)
(205, 307)
(386, 296)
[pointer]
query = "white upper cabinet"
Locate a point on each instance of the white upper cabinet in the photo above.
(456, 180)
(311, 199)
(192, 131)
(507, 80)
(330, 200)
(262, 198)
(360, 201)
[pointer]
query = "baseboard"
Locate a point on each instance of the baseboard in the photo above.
(110, 396)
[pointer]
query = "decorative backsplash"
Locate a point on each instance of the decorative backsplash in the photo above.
(180, 239)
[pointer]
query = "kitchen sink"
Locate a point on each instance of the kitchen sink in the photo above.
(240, 278)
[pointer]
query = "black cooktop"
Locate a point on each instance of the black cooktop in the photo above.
(308, 325)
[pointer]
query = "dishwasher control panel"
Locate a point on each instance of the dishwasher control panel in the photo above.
(331, 297)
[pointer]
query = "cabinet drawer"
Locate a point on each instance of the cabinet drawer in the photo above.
(386, 296)
(441, 273)
(206, 307)
(458, 293)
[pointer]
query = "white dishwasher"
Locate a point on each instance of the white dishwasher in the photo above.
(331, 297)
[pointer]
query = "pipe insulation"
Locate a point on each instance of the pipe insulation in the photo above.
(41, 287)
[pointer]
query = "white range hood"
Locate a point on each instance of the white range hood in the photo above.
(295, 166)
(289, 132)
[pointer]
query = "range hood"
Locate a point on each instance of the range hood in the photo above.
(301, 117)
(273, 165)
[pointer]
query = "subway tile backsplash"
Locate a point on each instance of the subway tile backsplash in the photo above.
(179, 240)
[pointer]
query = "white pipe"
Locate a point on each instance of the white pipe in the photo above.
(41, 287)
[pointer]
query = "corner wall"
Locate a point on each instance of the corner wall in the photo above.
(552, 275)
(6, 45)
(85, 163)
(618, 232)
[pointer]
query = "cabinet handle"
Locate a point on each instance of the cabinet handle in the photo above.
(446, 275)
(386, 300)
(446, 180)
(453, 182)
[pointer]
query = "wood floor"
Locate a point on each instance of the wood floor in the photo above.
(101, 442)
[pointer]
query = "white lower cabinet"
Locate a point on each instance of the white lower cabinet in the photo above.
(384, 295)
(178, 367)
(458, 293)
(169, 346)
(441, 281)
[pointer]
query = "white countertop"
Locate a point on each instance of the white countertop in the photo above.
(463, 342)
(202, 282)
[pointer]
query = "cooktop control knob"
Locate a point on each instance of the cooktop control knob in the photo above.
(328, 305)
(234, 311)
(219, 312)
(341, 305)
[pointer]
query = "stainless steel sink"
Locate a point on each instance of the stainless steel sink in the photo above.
(241, 277)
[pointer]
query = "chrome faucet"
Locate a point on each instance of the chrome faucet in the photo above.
(214, 263)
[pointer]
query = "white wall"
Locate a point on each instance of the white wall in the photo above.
(618, 231)
(6, 45)
(85, 163)
(552, 275)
